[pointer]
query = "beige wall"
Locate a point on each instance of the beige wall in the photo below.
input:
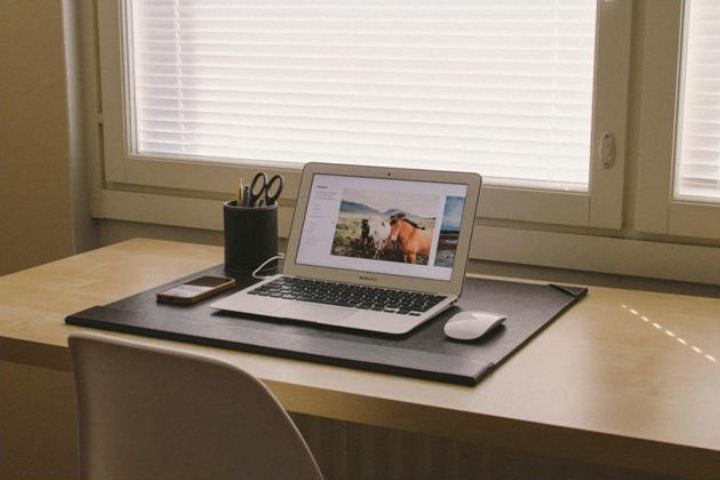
(35, 200)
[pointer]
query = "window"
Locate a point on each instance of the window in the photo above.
(678, 169)
(196, 93)
(697, 173)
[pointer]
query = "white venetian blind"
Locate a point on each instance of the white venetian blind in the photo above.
(697, 172)
(499, 87)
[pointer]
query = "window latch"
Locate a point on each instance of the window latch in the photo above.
(606, 149)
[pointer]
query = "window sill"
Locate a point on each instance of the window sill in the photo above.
(498, 244)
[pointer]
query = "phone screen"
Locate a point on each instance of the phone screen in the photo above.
(194, 287)
(210, 282)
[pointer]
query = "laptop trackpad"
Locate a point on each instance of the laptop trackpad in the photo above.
(314, 312)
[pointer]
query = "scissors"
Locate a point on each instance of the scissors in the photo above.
(264, 192)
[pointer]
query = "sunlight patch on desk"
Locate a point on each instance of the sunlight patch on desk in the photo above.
(671, 334)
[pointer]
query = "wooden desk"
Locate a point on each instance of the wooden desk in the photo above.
(625, 378)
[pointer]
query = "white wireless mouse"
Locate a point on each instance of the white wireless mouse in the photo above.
(472, 325)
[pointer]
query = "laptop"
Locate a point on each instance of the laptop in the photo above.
(371, 248)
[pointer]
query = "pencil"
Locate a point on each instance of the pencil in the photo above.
(240, 192)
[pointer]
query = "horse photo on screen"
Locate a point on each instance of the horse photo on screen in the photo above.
(365, 226)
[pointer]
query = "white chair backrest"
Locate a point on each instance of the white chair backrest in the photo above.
(156, 413)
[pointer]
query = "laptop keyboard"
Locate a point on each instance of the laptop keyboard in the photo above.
(347, 295)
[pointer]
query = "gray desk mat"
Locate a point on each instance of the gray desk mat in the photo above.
(425, 352)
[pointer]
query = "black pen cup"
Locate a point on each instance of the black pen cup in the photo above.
(251, 237)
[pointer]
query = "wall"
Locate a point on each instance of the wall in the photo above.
(35, 221)
(42, 175)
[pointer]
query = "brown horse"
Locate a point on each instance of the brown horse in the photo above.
(410, 238)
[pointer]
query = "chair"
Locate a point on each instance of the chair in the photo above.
(157, 413)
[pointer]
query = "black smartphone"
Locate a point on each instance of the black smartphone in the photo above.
(195, 290)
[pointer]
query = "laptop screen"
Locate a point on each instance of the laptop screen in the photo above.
(396, 227)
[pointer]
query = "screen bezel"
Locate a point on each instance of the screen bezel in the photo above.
(450, 287)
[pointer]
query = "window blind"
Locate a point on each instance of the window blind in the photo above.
(502, 88)
(697, 161)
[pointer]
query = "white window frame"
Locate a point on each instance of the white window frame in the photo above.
(656, 209)
(601, 207)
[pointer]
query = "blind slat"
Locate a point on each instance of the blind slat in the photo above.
(183, 120)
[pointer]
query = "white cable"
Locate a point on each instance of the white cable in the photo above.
(262, 265)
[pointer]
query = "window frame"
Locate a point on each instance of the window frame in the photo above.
(656, 209)
(601, 207)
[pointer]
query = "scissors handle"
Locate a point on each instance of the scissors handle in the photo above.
(258, 187)
(264, 192)
(273, 189)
